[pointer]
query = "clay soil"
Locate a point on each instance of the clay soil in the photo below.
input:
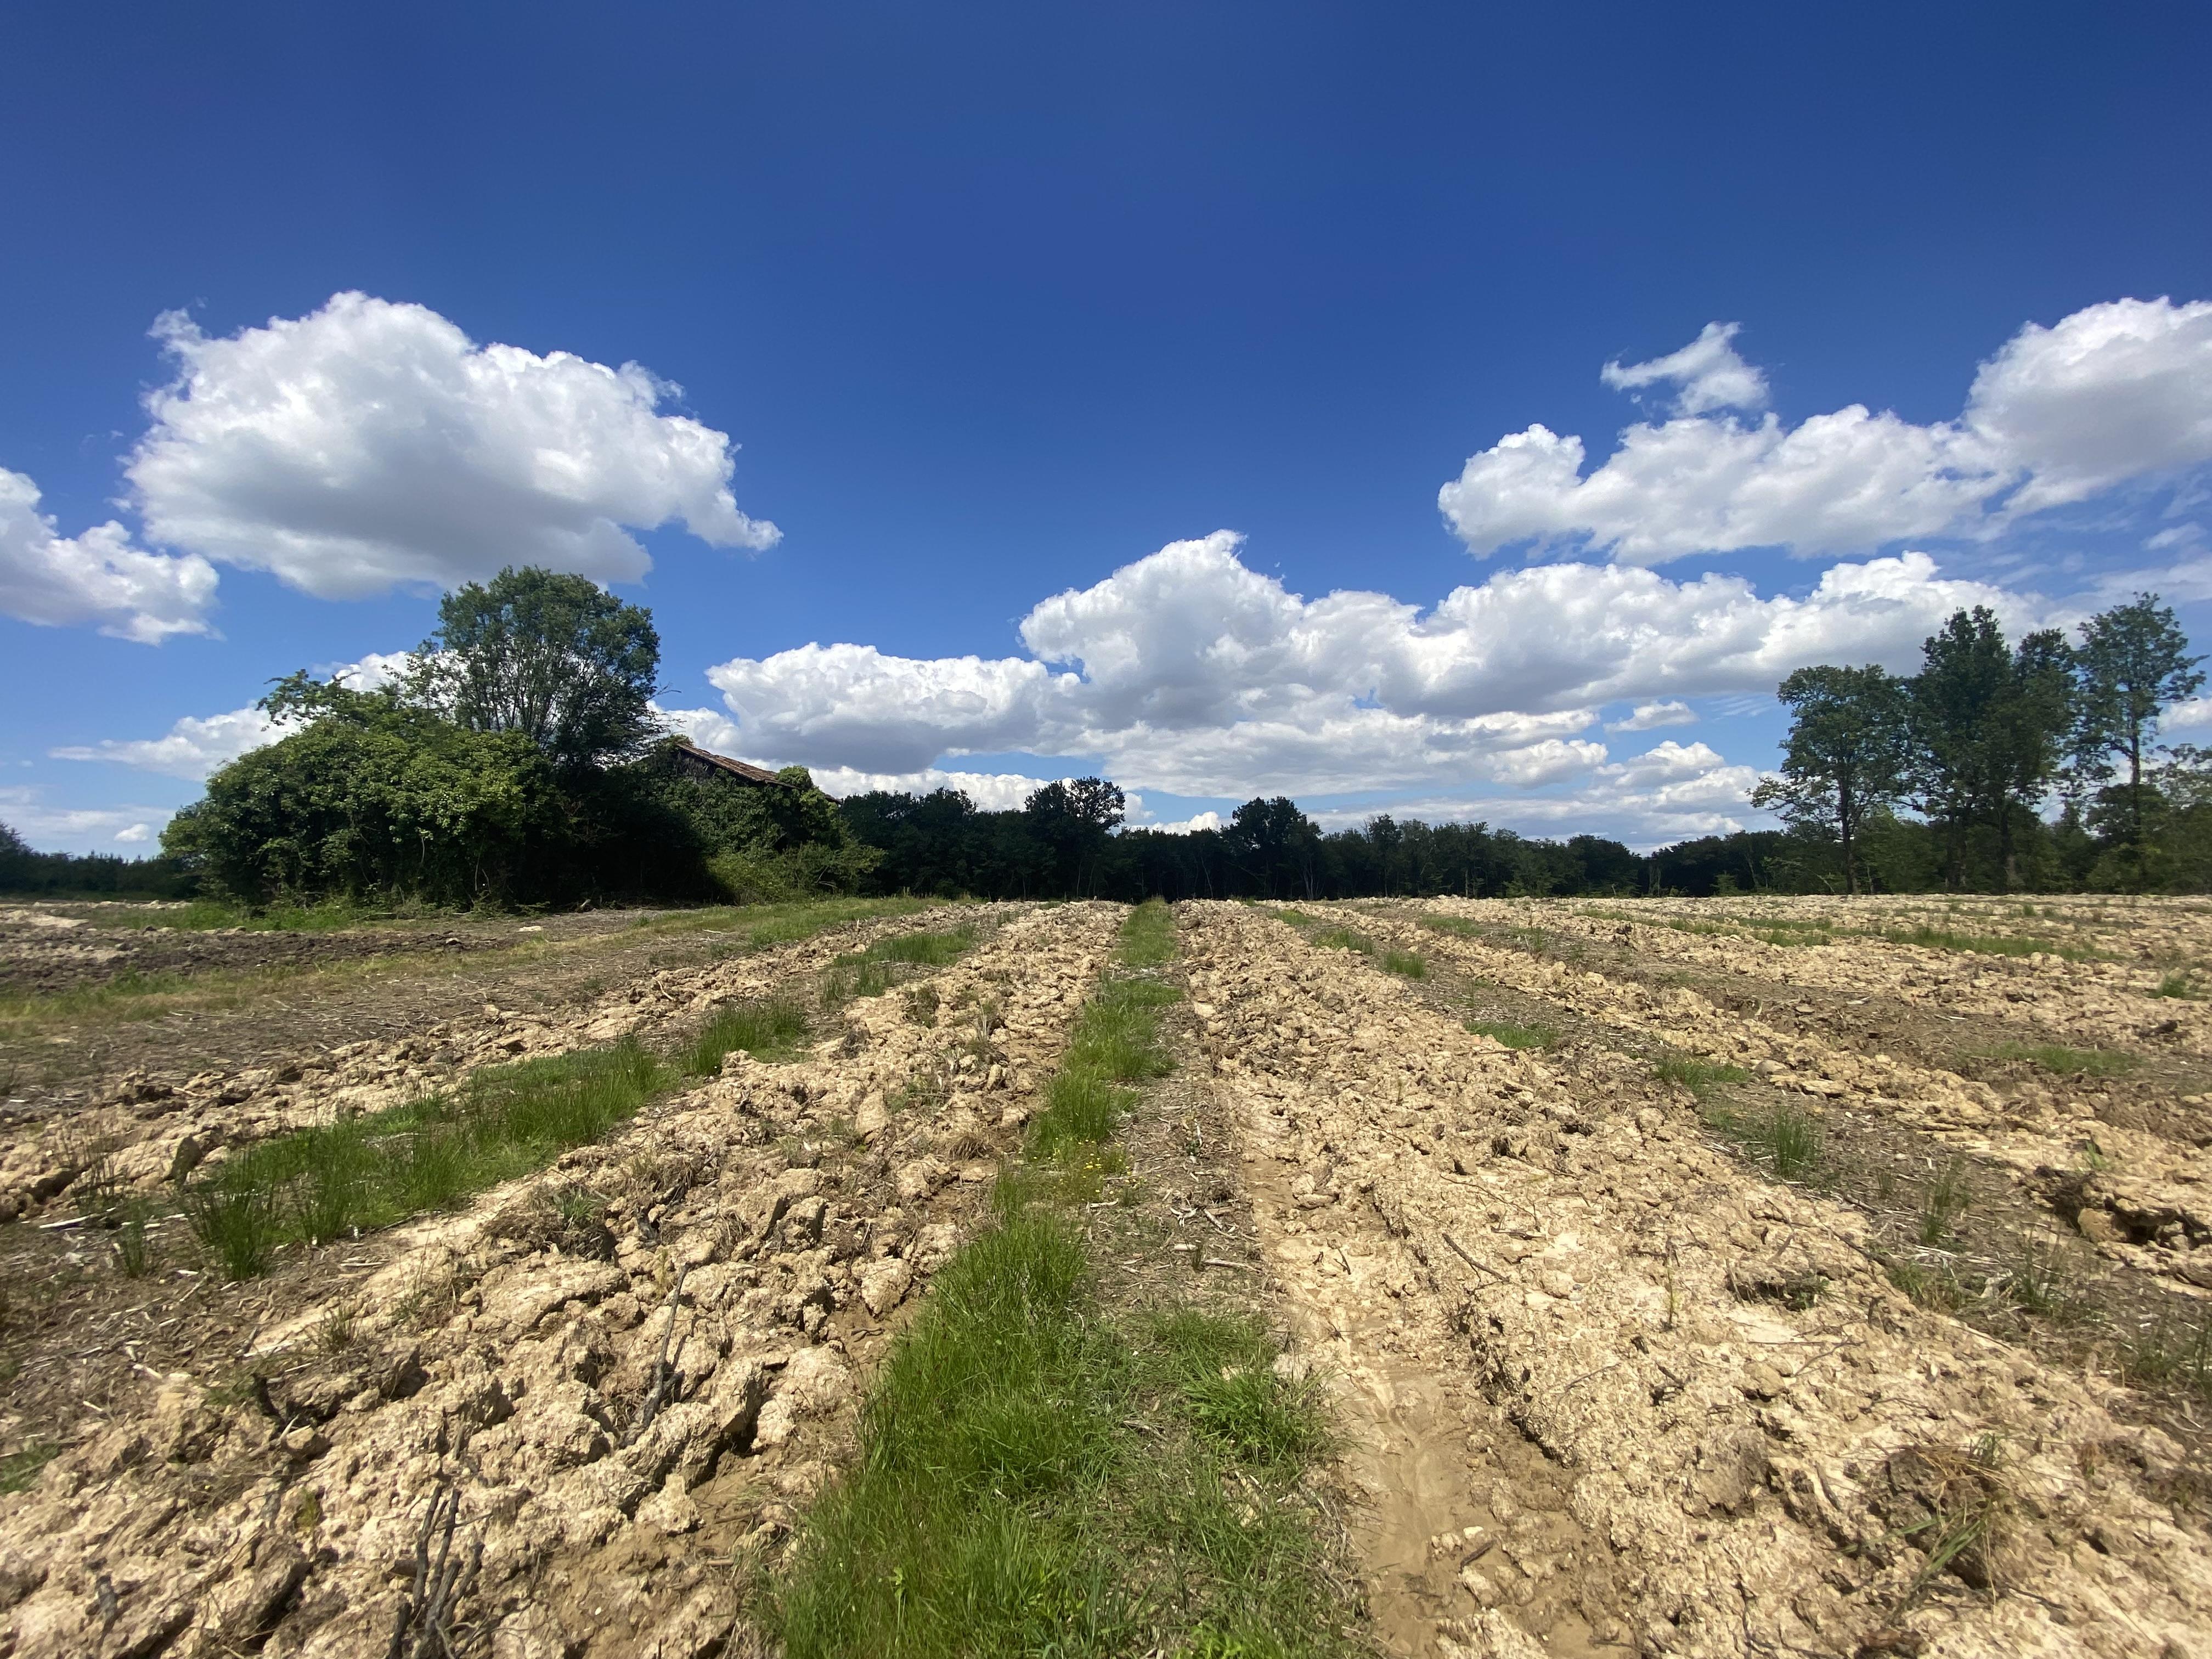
(1615, 1370)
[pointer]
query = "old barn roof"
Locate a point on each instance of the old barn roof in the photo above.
(700, 758)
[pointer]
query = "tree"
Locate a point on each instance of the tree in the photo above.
(1965, 673)
(2133, 665)
(1072, 819)
(1274, 844)
(1846, 756)
(549, 656)
(2027, 725)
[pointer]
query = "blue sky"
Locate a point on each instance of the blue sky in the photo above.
(981, 305)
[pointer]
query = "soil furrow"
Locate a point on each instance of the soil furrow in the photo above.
(1699, 1419)
(625, 1371)
(2152, 1189)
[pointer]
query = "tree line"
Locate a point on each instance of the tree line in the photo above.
(519, 761)
(1983, 737)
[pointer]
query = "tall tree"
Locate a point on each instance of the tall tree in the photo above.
(2135, 664)
(1846, 755)
(2027, 728)
(1965, 672)
(1276, 845)
(550, 656)
(1072, 819)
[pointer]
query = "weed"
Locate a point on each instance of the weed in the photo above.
(1517, 1037)
(237, 1223)
(1788, 1138)
(338, 1328)
(2042, 1282)
(131, 1243)
(2176, 985)
(2171, 1354)
(869, 973)
(1944, 1201)
(768, 1031)
(1115, 1041)
(2068, 1062)
(1455, 925)
(1991, 945)
(1793, 1140)
(1950, 1505)
(1343, 938)
(1405, 964)
(1697, 1075)
(921, 1005)
(18, 1469)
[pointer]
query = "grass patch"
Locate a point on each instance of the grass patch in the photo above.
(1115, 1042)
(1405, 964)
(1989, 945)
(2068, 1062)
(209, 915)
(1148, 937)
(1039, 1474)
(1343, 938)
(1697, 1075)
(1787, 1138)
(315, 1185)
(2176, 985)
(872, 972)
(131, 996)
(18, 1469)
(1947, 1199)
(1517, 1037)
(2042, 1281)
(768, 1031)
(2172, 1353)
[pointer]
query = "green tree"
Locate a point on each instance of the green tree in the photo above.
(2027, 729)
(1276, 845)
(1966, 674)
(2135, 664)
(549, 656)
(1846, 756)
(1071, 820)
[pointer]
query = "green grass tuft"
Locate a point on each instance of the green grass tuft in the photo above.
(2178, 985)
(2068, 1062)
(872, 972)
(1515, 1036)
(1343, 938)
(18, 1469)
(1697, 1075)
(768, 1031)
(324, 1183)
(1405, 964)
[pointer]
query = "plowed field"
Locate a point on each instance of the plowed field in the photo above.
(1732, 1277)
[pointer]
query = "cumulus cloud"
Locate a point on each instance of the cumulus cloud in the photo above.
(370, 444)
(2113, 394)
(100, 577)
(2187, 715)
(26, 808)
(196, 745)
(1706, 374)
(1649, 716)
(1188, 672)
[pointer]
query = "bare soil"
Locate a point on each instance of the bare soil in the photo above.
(1606, 1382)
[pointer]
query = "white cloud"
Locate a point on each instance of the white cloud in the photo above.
(196, 746)
(2111, 394)
(1649, 716)
(1190, 673)
(370, 444)
(25, 808)
(1707, 374)
(58, 582)
(1190, 825)
(2197, 711)
(990, 792)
